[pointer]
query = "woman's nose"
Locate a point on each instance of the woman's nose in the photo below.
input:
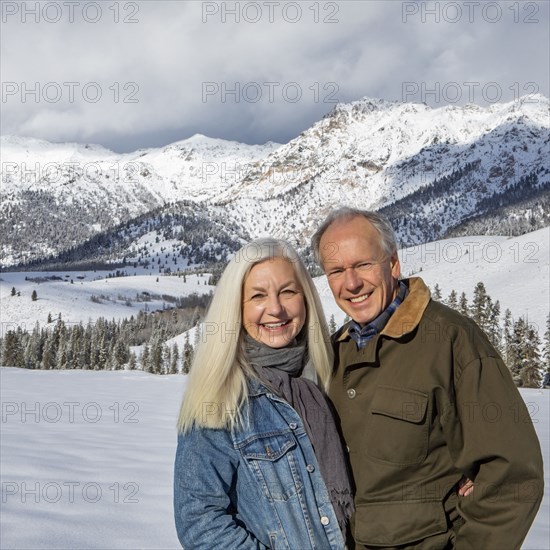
(274, 306)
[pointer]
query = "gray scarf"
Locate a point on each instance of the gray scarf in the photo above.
(280, 370)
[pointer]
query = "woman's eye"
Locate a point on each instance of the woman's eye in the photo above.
(256, 296)
(288, 291)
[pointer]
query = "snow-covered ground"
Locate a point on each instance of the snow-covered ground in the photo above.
(116, 297)
(87, 459)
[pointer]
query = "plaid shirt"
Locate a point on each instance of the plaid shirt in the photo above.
(361, 335)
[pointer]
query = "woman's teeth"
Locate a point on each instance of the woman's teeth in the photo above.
(275, 325)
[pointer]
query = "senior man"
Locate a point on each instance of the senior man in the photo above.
(423, 398)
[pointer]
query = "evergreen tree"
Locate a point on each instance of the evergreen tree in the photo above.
(132, 361)
(452, 300)
(507, 334)
(437, 293)
(463, 305)
(48, 354)
(175, 357)
(198, 335)
(493, 326)
(156, 354)
(12, 352)
(29, 357)
(145, 359)
(61, 354)
(188, 353)
(517, 349)
(479, 308)
(546, 352)
(166, 359)
(332, 325)
(13, 291)
(120, 354)
(34, 296)
(531, 376)
(102, 354)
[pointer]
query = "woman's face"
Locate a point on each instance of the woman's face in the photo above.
(274, 309)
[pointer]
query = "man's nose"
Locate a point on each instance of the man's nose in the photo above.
(352, 281)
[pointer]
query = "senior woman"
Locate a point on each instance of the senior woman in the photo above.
(259, 462)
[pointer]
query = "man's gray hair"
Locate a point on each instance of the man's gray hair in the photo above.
(347, 213)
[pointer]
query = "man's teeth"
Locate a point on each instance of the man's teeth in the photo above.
(275, 325)
(359, 298)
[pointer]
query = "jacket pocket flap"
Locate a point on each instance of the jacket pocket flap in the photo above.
(268, 446)
(401, 403)
(396, 523)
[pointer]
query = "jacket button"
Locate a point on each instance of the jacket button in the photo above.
(310, 468)
(352, 393)
(293, 425)
(325, 520)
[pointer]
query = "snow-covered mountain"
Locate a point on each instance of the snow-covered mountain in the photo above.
(430, 170)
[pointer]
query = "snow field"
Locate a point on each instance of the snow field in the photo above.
(87, 459)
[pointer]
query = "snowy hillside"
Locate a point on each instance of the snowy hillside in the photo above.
(515, 271)
(428, 169)
(87, 460)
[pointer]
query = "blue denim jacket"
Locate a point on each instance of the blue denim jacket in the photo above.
(258, 486)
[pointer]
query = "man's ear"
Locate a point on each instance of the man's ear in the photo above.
(395, 266)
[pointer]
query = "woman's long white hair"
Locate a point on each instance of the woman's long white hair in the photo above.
(217, 383)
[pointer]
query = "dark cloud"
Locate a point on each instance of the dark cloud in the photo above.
(188, 67)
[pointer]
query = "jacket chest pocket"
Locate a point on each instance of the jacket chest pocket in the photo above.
(398, 428)
(273, 464)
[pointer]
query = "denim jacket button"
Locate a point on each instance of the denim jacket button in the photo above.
(351, 393)
(310, 468)
(293, 425)
(325, 520)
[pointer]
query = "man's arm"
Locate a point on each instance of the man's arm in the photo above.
(492, 440)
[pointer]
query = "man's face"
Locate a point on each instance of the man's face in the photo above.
(361, 276)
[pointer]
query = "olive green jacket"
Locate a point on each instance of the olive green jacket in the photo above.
(426, 401)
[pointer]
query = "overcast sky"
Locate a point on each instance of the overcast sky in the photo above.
(129, 75)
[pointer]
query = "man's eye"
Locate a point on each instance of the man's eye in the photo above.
(334, 272)
(365, 265)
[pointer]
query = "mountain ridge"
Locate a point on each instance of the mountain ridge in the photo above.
(371, 153)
